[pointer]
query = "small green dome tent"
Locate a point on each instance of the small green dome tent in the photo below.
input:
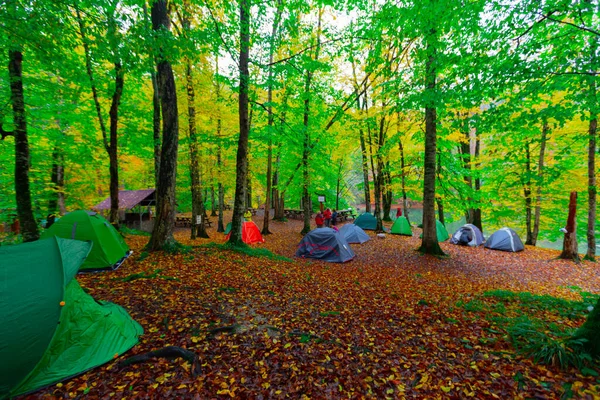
(401, 227)
(367, 221)
(109, 249)
(440, 231)
(51, 329)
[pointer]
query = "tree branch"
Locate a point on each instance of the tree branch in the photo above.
(582, 28)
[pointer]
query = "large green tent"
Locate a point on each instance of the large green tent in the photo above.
(367, 221)
(109, 249)
(51, 329)
(401, 227)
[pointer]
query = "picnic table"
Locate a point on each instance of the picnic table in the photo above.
(185, 220)
(344, 215)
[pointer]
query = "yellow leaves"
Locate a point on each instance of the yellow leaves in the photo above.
(495, 375)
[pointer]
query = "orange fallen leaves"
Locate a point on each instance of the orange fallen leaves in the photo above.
(383, 325)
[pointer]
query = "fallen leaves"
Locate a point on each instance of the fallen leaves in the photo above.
(385, 325)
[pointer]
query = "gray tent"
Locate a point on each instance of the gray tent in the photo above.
(505, 239)
(354, 234)
(325, 244)
(467, 235)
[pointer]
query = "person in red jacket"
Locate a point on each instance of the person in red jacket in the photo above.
(327, 217)
(398, 212)
(319, 220)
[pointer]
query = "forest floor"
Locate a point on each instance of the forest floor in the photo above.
(391, 323)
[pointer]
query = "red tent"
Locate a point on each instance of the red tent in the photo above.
(250, 233)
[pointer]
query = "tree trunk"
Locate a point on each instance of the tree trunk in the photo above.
(306, 150)
(429, 243)
(56, 204)
(162, 233)
(198, 212)
(235, 237)
(403, 174)
(388, 196)
(592, 132)
(438, 199)
(337, 187)
(477, 211)
(221, 189)
(113, 147)
(527, 194)
(270, 121)
(539, 183)
(569, 251)
(365, 169)
(28, 225)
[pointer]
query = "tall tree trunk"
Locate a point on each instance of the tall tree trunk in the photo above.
(56, 204)
(465, 152)
(591, 222)
(213, 201)
(388, 196)
(29, 227)
(155, 103)
(306, 151)
(198, 211)
(337, 187)
(221, 188)
(235, 237)
(113, 147)
(429, 243)
(439, 200)
(539, 183)
(365, 170)
(569, 251)
(592, 132)
(402, 170)
(162, 233)
(270, 120)
(477, 210)
(527, 194)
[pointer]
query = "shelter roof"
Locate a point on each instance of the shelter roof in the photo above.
(129, 199)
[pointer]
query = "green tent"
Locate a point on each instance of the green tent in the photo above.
(51, 329)
(441, 232)
(367, 221)
(109, 249)
(401, 227)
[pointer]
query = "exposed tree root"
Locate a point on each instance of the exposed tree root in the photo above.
(170, 353)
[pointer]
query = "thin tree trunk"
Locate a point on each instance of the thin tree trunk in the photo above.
(235, 237)
(162, 233)
(365, 170)
(213, 201)
(403, 177)
(29, 228)
(337, 187)
(305, 154)
(270, 120)
(569, 251)
(429, 244)
(592, 132)
(477, 210)
(198, 211)
(527, 193)
(539, 183)
(439, 200)
(155, 105)
(221, 189)
(113, 147)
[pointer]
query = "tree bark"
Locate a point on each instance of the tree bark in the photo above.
(213, 201)
(592, 132)
(527, 194)
(429, 243)
(539, 183)
(29, 228)
(162, 233)
(198, 212)
(402, 171)
(56, 204)
(270, 120)
(113, 147)
(306, 151)
(221, 189)
(569, 251)
(235, 237)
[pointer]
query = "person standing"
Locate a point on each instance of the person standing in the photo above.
(319, 220)
(398, 212)
(327, 217)
(334, 216)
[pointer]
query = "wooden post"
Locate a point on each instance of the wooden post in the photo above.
(569, 251)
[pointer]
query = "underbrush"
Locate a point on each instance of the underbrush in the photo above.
(541, 327)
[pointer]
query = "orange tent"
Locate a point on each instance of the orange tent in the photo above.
(250, 233)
